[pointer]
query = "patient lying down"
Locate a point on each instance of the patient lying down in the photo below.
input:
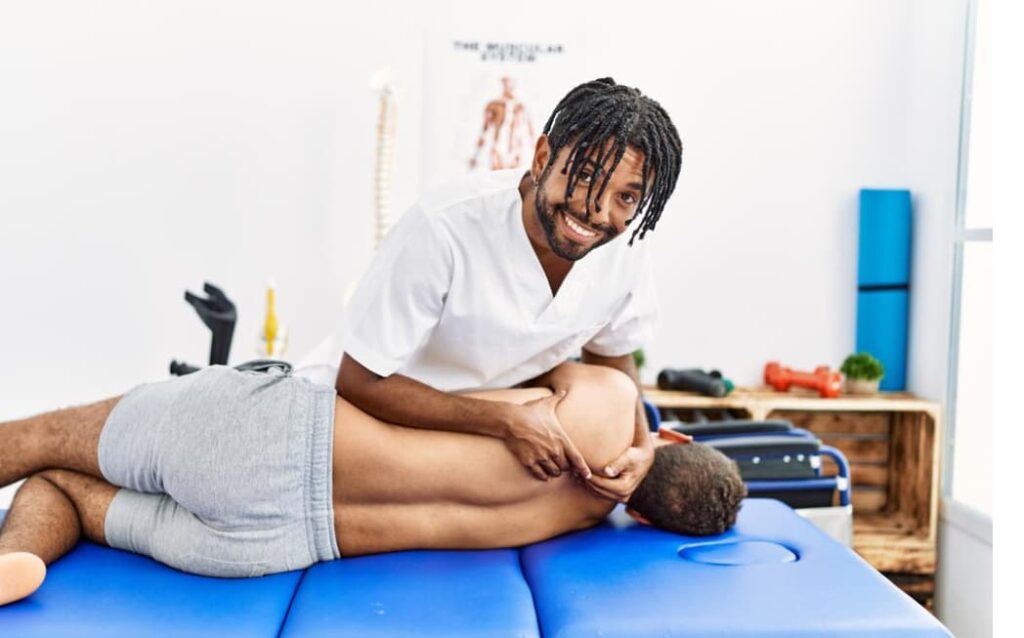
(234, 474)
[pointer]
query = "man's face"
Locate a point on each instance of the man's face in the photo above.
(571, 232)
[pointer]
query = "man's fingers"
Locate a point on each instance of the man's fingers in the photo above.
(537, 471)
(610, 487)
(579, 464)
(572, 455)
(550, 467)
(602, 492)
(612, 470)
(625, 462)
(606, 483)
(562, 462)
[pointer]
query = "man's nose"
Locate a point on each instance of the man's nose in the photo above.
(601, 208)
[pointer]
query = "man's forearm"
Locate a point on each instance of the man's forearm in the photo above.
(405, 401)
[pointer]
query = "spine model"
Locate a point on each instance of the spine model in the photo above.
(384, 166)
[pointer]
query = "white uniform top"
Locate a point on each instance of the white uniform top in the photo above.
(456, 298)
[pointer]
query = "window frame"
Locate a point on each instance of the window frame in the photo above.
(961, 236)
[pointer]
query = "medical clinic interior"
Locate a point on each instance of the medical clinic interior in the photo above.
(544, 319)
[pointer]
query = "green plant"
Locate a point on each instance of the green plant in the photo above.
(862, 366)
(639, 358)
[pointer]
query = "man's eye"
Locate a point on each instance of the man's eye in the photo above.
(629, 199)
(586, 177)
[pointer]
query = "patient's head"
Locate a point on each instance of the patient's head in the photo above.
(691, 489)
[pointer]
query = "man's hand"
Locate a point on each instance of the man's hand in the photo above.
(537, 439)
(619, 479)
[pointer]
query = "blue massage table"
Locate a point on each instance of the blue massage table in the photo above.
(773, 574)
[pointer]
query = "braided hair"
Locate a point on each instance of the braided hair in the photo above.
(594, 113)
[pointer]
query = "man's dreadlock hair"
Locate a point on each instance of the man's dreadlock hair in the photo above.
(595, 112)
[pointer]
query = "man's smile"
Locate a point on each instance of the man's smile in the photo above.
(576, 231)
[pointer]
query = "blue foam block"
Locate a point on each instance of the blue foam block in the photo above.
(437, 593)
(882, 331)
(884, 254)
(107, 593)
(773, 574)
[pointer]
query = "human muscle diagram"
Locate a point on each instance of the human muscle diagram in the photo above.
(507, 132)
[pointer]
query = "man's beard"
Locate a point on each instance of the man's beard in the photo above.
(565, 248)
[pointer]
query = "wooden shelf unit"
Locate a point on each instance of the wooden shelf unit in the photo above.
(893, 443)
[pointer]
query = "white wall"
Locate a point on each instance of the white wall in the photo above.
(148, 148)
(963, 590)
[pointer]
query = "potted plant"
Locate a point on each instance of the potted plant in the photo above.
(863, 373)
(639, 358)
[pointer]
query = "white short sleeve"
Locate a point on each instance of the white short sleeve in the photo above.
(400, 298)
(633, 325)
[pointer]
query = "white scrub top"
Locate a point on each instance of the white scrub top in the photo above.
(456, 298)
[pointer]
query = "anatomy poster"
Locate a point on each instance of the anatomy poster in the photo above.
(487, 100)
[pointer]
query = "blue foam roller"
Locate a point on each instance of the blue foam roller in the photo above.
(884, 254)
(107, 593)
(882, 332)
(773, 575)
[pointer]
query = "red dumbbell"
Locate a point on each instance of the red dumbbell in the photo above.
(827, 382)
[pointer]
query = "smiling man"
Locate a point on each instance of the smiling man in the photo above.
(494, 280)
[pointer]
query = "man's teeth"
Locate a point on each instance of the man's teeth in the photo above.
(576, 227)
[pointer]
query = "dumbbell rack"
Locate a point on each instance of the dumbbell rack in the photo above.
(893, 443)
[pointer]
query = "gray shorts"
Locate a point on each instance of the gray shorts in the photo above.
(224, 473)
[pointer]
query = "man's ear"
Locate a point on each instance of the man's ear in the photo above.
(637, 516)
(673, 436)
(541, 157)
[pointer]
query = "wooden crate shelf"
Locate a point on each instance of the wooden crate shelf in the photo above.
(892, 441)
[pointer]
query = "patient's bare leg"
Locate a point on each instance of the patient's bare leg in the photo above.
(51, 511)
(65, 439)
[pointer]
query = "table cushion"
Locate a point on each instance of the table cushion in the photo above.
(773, 574)
(420, 593)
(108, 593)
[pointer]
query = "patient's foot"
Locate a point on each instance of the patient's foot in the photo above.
(21, 574)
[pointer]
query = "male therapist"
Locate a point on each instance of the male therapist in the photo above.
(494, 280)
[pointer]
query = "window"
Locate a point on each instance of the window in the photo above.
(968, 457)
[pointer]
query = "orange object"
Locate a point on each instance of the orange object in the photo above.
(827, 382)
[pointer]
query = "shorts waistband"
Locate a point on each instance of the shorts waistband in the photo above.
(318, 409)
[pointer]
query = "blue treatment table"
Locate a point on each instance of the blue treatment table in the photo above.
(773, 574)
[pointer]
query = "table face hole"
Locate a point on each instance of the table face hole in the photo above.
(742, 552)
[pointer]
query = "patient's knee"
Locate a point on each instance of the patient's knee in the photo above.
(51, 476)
(90, 497)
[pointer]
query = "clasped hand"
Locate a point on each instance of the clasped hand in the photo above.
(537, 439)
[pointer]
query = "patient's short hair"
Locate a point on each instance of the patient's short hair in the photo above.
(691, 489)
